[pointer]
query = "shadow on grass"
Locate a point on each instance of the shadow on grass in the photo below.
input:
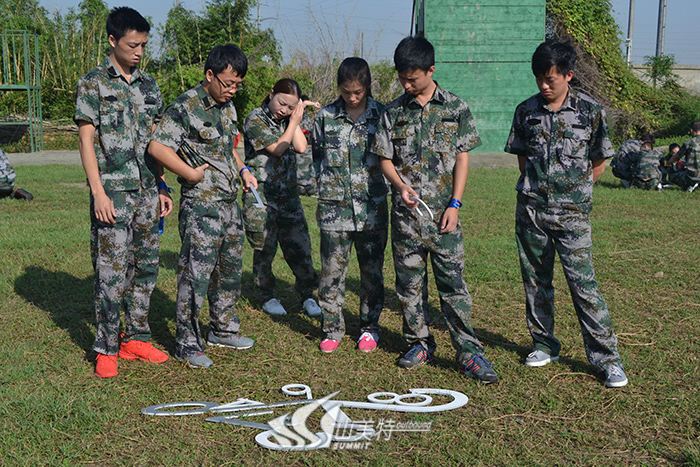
(69, 300)
(169, 259)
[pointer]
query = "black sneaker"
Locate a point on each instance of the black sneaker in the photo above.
(21, 193)
(480, 369)
(415, 357)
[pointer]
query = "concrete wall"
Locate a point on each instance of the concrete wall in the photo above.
(688, 76)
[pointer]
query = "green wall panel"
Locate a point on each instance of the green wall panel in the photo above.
(482, 51)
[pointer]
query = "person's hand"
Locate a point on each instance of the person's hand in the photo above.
(166, 202)
(104, 209)
(449, 220)
(248, 180)
(407, 195)
(311, 103)
(197, 174)
(297, 115)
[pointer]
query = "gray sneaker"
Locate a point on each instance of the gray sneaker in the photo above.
(274, 307)
(615, 377)
(234, 341)
(196, 360)
(540, 358)
(311, 307)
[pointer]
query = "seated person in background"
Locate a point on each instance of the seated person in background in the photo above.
(646, 168)
(685, 167)
(664, 162)
(7, 181)
(623, 162)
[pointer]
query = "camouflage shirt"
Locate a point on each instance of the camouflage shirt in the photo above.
(625, 155)
(352, 191)
(7, 173)
(646, 164)
(123, 115)
(423, 143)
(276, 175)
(202, 131)
(689, 154)
(559, 147)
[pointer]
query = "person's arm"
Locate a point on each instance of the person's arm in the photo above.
(598, 168)
(166, 202)
(293, 134)
(522, 162)
(247, 178)
(459, 180)
(389, 171)
(171, 161)
(104, 208)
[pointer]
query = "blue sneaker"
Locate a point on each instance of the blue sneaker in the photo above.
(415, 357)
(480, 369)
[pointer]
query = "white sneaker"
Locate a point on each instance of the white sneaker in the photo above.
(311, 307)
(692, 188)
(540, 358)
(274, 307)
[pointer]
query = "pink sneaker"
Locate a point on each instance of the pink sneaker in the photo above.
(368, 341)
(328, 345)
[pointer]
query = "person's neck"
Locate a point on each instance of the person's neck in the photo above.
(427, 94)
(125, 71)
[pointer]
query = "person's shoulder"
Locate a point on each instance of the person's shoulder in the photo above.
(330, 110)
(585, 102)
(255, 114)
(398, 103)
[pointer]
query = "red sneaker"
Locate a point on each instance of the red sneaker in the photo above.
(145, 351)
(106, 366)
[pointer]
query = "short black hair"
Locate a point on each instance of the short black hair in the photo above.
(695, 126)
(123, 19)
(221, 57)
(648, 137)
(673, 146)
(414, 53)
(551, 53)
(355, 69)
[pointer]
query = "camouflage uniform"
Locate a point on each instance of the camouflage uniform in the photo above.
(689, 154)
(422, 143)
(646, 169)
(7, 175)
(555, 197)
(124, 254)
(282, 219)
(623, 163)
(352, 208)
(306, 179)
(202, 131)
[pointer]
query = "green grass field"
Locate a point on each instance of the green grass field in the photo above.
(55, 411)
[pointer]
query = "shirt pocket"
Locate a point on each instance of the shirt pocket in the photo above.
(112, 114)
(575, 142)
(402, 139)
(444, 136)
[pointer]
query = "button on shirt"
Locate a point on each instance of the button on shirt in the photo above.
(423, 142)
(202, 131)
(123, 115)
(559, 147)
(352, 191)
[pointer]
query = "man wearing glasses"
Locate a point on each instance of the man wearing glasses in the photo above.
(196, 140)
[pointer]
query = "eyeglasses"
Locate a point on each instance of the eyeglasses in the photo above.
(237, 86)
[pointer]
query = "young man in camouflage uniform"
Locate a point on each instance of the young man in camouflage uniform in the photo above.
(561, 140)
(647, 175)
(352, 207)
(624, 162)
(423, 141)
(687, 159)
(116, 108)
(196, 139)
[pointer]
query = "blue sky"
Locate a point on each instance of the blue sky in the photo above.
(374, 27)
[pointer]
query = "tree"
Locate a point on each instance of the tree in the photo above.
(660, 69)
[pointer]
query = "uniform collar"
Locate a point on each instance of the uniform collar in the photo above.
(570, 102)
(370, 113)
(439, 96)
(207, 101)
(114, 72)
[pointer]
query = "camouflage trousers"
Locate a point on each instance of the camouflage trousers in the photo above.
(335, 255)
(413, 239)
(211, 265)
(649, 184)
(125, 260)
(280, 221)
(684, 179)
(539, 236)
